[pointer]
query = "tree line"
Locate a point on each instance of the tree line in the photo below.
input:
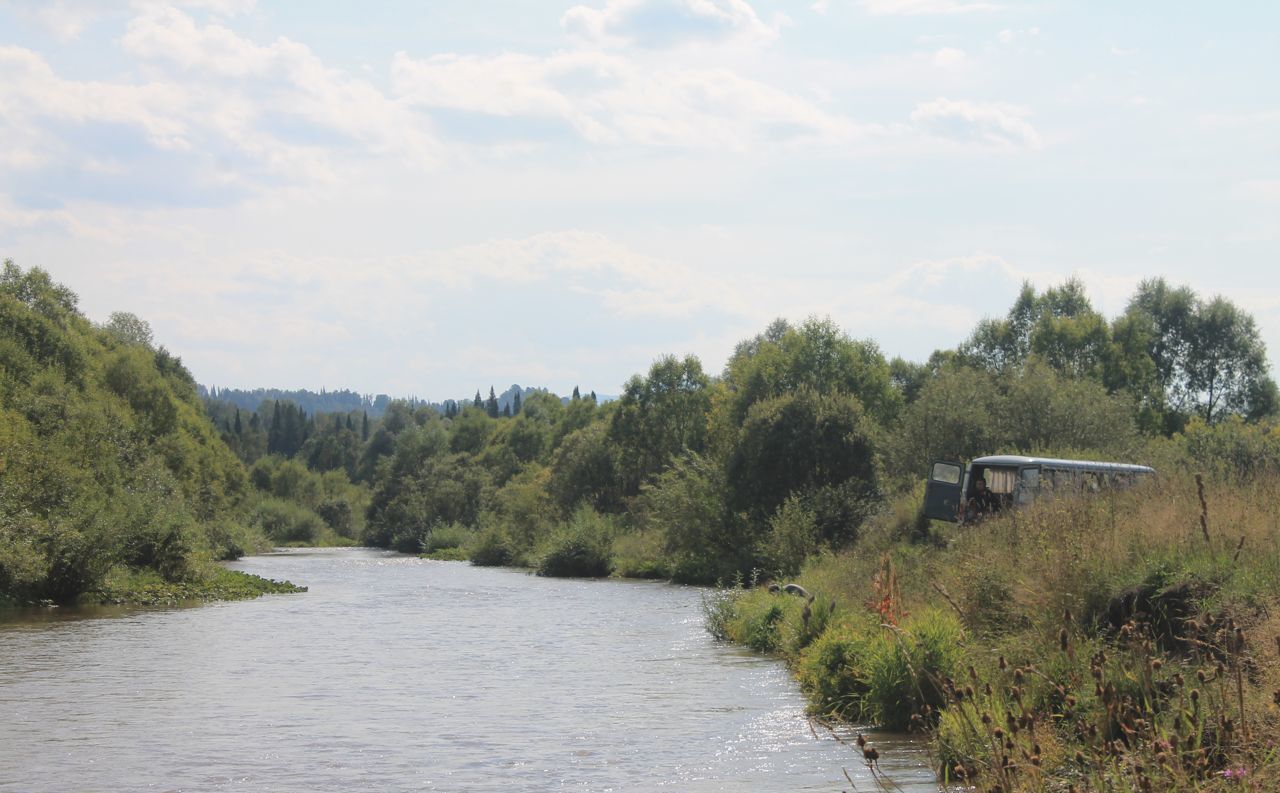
(111, 457)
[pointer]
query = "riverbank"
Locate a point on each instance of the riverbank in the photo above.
(1129, 641)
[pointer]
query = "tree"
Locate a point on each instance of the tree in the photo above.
(576, 394)
(816, 355)
(584, 468)
(1226, 364)
(1059, 326)
(1207, 356)
(491, 404)
(517, 403)
(661, 416)
(129, 329)
(802, 443)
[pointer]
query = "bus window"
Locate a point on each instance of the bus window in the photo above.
(1001, 480)
(1029, 485)
(948, 473)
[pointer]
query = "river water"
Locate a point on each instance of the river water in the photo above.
(395, 674)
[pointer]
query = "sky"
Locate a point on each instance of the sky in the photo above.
(428, 198)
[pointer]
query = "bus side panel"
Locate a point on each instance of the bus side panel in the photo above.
(942, 493)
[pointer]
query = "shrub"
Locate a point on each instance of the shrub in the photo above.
(758, 618)
(639, 555)
(491, 548)
(906, 667)
(337, 514)
(793, 536)
(833, 671)
(718, 609)
(580, 548)
(454, 535)
(286, 522)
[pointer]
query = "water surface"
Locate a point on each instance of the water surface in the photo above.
(396, 674)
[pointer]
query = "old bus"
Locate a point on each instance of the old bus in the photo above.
(1014, 481)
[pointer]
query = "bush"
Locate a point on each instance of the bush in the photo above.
(906, 667)
(581, 548)
(793, 536)
(639, 555)
(229, 539)
(286, 522)
(718, 609)
(454, 535)
(337, 514)
(161, 541)
(491, 548)
(833, 671)
(758, 618)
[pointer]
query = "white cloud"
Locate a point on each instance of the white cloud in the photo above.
(30, 91)
(663, 23)
(210, 113)
(917, 7)
(65, 20)
(990, 123)
(301, 84)
(949, 57)
(165, 33)
(1009, 36)
(607, 99)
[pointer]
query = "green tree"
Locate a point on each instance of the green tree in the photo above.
(801, 443)
(816, 355)
(1208, 357)
(1226, 365)
(659, 417)
(130, 329)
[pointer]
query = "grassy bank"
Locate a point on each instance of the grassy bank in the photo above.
(142, 587)
(1129, 641)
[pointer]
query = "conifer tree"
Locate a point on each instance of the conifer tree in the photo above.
(479, 402)
(238, 428)
(364, 427)
(517, 403)
(491, 405)
(506, 411)
(576, 394)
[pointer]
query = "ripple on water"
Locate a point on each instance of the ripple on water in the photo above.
(394, 673)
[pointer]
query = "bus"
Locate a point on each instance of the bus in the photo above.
(1015, 481)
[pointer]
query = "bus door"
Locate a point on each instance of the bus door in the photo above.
(942, 493)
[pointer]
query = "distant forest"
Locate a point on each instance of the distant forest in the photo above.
(347, 401)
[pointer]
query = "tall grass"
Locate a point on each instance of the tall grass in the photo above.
(1128, 640)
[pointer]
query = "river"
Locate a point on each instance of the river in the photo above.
(396, 674)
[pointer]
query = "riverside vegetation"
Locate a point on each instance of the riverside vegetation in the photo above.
(802, 457)
(114, 486)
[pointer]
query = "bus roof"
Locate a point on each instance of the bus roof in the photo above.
(1064, 465)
